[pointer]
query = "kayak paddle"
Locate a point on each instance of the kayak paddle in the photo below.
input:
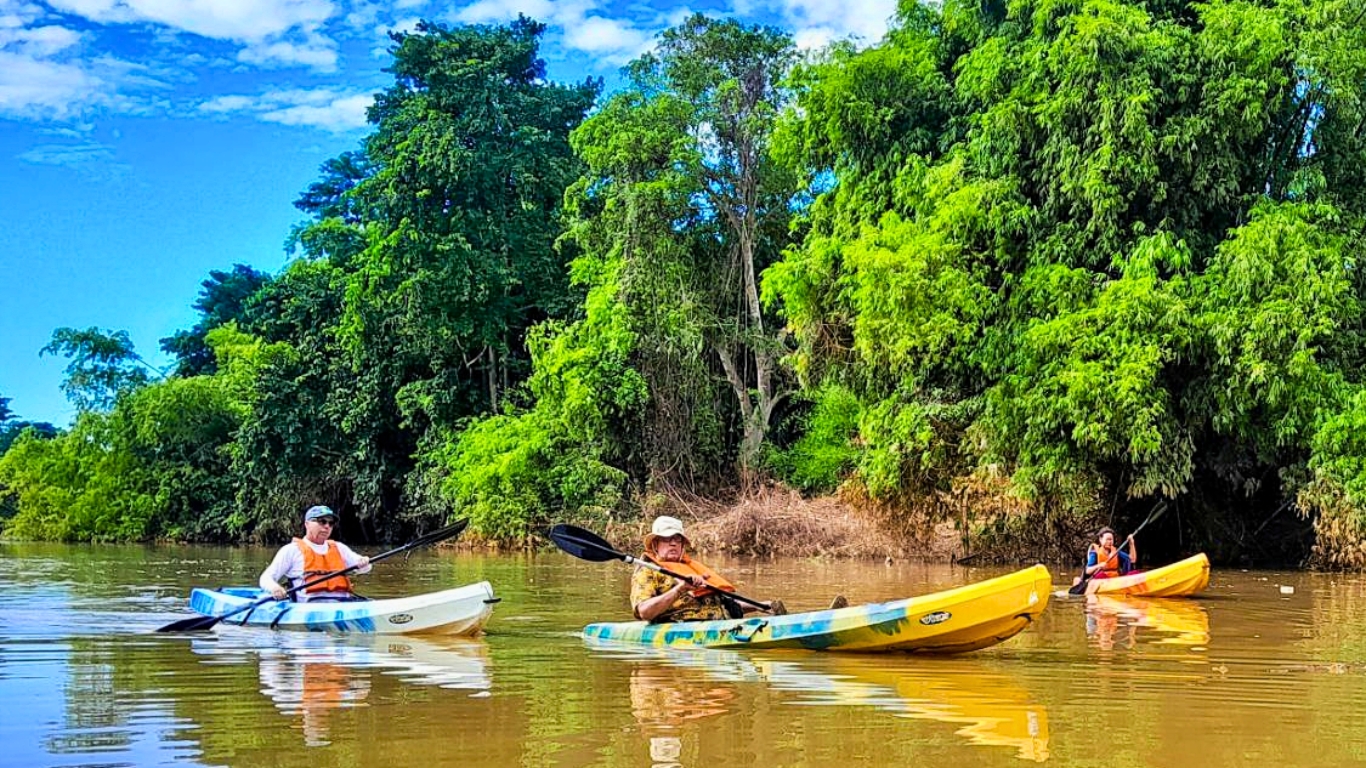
(586, 545)
(197, 623)
(1080, 587)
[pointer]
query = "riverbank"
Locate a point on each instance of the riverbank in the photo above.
(774, 521)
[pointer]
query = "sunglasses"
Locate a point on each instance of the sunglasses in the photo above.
(328, 521)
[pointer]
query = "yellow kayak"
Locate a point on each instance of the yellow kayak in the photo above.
(1182, 578)
(953, 621)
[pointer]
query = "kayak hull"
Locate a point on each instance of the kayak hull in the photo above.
(957, 620)
(1180, 579)
(459, 611)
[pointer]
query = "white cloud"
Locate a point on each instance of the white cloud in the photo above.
(341, 114)
(325, 108)
(812, 38)
(43, 89)
(68, 132)
(582, 25)
(241, 20)
(88, 158)
(38, 42)
(227, 104)
(485, 11)
(821, 21)
(36, 85)
(406, 25)
(67, 154)
(271, 33)
(17, 13)
(595, 34)
(614, 33)
(364, 15)
(54, 70)
(317, 53)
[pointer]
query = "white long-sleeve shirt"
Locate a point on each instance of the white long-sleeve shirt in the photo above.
(289, 564)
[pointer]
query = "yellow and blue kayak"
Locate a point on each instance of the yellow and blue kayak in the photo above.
(1180, 579)
(962, 619)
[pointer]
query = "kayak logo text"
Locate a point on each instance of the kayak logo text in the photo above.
(938, 617)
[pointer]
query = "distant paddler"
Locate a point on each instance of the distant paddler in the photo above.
(1104, 560)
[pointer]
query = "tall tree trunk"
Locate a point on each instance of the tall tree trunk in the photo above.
(756, 410)
(491, 371)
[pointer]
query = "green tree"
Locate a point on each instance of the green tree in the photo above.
(429, 255)
(103, 366)
(682, 183)
(472, 156)
(154, 466)
(298, 444)
(222, 299)
(681, 205)
(10, 429)
(1066, 241)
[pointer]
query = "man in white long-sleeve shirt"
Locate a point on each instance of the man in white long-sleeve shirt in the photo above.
(312, 556)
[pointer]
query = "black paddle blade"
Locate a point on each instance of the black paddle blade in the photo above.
(583, 544)
(193, 624)
(440, 534)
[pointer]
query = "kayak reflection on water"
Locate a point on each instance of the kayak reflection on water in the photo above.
(1172, 621)
(673, 689)
(311, 675)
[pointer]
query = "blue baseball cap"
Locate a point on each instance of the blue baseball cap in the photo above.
(314, 513)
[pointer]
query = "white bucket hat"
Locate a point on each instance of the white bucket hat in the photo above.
(664, 527)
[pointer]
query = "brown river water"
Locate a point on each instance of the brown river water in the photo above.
(1266, 668)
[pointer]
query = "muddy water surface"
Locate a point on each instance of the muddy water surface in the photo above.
(1265, 668)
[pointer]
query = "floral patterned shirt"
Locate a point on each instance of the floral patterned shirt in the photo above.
(647, 583)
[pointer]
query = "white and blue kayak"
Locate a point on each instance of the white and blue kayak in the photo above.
(460, 611)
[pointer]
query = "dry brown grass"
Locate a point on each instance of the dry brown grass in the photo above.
(981, 518)
(773, 521)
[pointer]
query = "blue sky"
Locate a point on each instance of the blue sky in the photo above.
(144, 143)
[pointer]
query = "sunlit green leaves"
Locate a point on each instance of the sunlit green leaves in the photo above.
(1131, 236)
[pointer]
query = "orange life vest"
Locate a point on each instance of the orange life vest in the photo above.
(1108, 560)
(316, 565)
(689, 567)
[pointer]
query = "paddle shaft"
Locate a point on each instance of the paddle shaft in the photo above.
(205, 622)
(586, 545)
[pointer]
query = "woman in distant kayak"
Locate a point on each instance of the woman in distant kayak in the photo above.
(1104, 560)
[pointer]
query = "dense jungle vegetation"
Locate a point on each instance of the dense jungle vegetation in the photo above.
(1029, 265)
